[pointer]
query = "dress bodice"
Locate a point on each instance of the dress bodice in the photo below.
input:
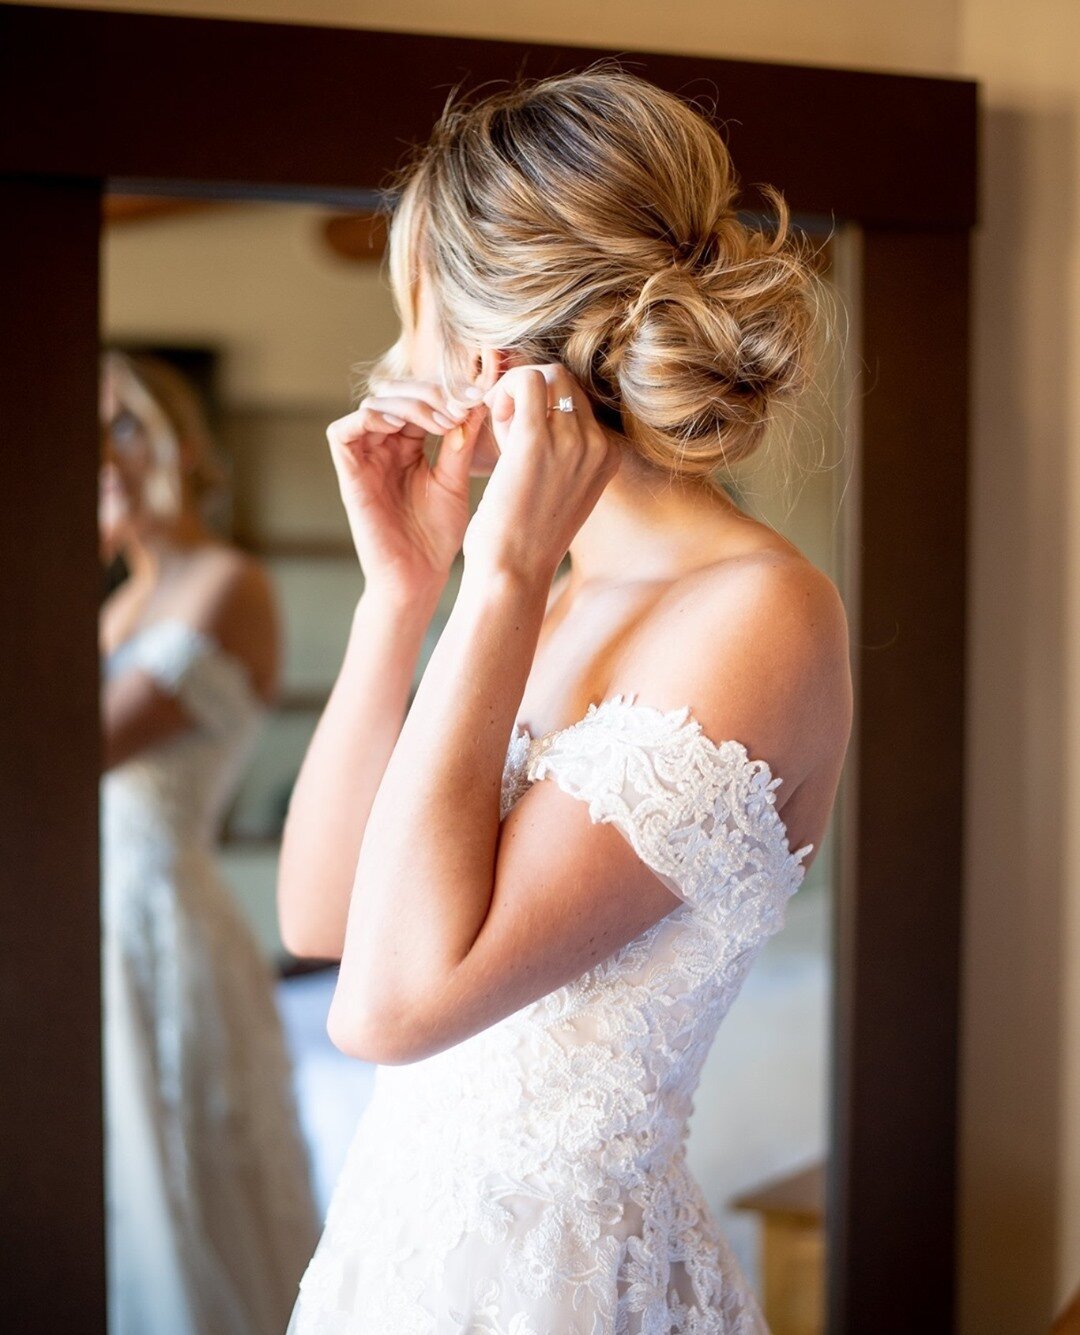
(174, 794)
(560, 1130)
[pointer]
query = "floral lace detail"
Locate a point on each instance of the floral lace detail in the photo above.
(532, 1180)
(701, 814)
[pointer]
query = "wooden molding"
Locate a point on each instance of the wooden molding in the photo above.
(149, 208)
(357, 236)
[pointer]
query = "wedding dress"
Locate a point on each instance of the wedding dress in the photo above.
(210, 1214)
(532, 1180)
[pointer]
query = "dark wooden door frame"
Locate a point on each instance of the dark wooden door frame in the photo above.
(89, 99)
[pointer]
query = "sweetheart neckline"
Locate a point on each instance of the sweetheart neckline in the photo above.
(680, 714)
(140, 631)
(238, 665)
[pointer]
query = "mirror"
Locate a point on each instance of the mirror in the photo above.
(266, 309)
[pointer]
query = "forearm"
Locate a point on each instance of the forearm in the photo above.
(424, 878)
(343, 767)
(136, 714)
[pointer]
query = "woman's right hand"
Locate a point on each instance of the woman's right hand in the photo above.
(407, 517)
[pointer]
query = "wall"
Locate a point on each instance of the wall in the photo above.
(1021, 1169)
(1020, 1248)
(232, 274)
(919, 37)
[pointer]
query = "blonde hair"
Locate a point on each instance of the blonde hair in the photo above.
(589, 219)
(170, 410)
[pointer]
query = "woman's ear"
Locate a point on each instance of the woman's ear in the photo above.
(491, 365)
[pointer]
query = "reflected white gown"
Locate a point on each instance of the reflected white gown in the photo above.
(532, 1180)
(211, 1217)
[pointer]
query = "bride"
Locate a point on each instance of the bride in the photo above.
(539, 968)
(210, 1211)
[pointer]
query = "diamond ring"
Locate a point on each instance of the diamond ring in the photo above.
(564, 405)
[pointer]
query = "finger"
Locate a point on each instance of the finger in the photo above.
(563, 419)
(562, 386)
(430, 391)
(465, 401)
(522, 393)
(357, 427)
(577, 423)
(383, 416)
(457, 450)
(420, 389)
(417, 411)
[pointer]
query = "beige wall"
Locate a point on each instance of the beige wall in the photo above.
(259, 280)
(1021, 1191)
(918, 37)
(1020, 1249)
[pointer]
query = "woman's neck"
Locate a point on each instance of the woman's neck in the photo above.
(648, 525)
(151, 553)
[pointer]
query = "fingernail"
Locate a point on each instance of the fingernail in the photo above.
(394, 421)
(443, 420)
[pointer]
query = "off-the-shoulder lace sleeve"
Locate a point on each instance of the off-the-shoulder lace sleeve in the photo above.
(701, 814)
(214, 686)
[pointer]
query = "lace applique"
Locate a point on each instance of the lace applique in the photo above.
(701, 814)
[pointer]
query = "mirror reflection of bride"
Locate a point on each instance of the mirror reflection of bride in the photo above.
(211, 1217)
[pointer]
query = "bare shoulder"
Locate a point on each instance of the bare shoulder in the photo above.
(757, 646)
(787, 602)
(231, 596)
(231, 577)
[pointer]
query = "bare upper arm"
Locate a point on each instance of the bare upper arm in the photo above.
(752, 663)
(235, 603)
(567, 894)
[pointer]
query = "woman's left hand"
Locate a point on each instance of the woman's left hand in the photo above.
(552, 468)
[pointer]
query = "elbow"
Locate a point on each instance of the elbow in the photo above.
(381, 1040)
(303, 944)
(354, 1038)
(296, 935)
(304, 941)
(301, 935)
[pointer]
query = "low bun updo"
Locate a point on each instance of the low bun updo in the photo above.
(590, 219)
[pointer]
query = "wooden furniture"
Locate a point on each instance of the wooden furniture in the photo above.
(792, 1249)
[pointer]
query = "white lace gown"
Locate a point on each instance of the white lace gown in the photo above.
(210, 1213)
(532, 1180)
